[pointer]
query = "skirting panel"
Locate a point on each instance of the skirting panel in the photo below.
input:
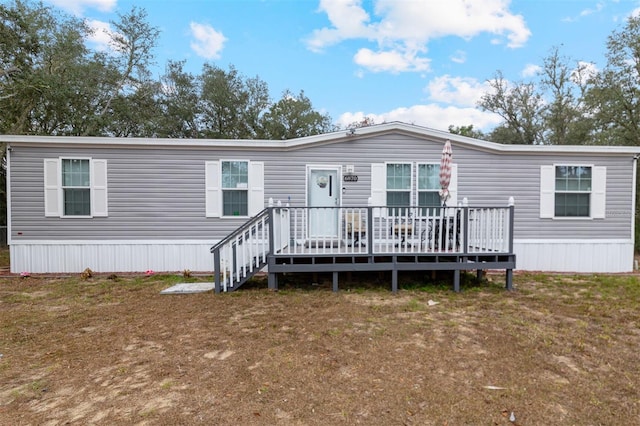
(75, 257)
(574, 255)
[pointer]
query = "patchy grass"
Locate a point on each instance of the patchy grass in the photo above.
(561, 349)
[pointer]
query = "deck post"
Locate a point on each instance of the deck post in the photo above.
(272, 281)
(479, 275)
(509, 274)
(394, 280)
(335, 281)
(456, 280)
(465, 225)
(369, 228)
(217, 273)
(512, 203)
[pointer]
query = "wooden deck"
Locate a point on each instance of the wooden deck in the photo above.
(350, 239)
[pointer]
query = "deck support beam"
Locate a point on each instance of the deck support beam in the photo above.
(456, 280)
(272, 281)
(394, 280)
(509, 277)
(335, 281)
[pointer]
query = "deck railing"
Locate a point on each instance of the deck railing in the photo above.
(318, 231)
(384, 230)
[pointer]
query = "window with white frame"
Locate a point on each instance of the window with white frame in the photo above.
(75, 187)
(392, 184)
(573, 191)
(398, 186)
(428, 186)
(235, 188)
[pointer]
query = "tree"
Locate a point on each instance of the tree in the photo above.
(179, 101)
(614, 93)
(231, 105)
(467, 131)
(565, 118)
(132, 41)
(41, 57)
(520, 106)
(549, 109)
(365, 122)
(294, 117)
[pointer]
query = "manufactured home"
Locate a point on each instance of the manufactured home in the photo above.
(363, 199)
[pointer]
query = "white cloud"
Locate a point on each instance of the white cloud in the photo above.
(100, 35)
(404, 28)
(208, 42)
(78, 6)
(392, 61)
(459, 57)
(530, 70)
(429, 115)
(585, 12)
(461, 91)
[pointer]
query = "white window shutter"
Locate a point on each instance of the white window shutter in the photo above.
(453, 186)
(52, 189)
(212, 188)
(598, 192)
(99, 200)
(378, 187)
(256, 187)
(547, 191)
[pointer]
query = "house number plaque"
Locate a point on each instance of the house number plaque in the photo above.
(350, 178)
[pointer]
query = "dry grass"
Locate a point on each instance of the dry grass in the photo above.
(559, 350)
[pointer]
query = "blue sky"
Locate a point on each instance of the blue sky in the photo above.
(418, 61)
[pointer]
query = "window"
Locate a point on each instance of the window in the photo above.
(428, 186)
(234, 188)
(573, 191)
(392, 184)
(235, 184)
(76, 187)
(398, 187)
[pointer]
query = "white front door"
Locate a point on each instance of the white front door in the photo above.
(323, 190)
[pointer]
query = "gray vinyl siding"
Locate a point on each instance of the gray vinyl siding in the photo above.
(159, 193)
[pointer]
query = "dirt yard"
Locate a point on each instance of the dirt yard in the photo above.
(560, 350)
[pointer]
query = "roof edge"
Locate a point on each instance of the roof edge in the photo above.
(342, 135)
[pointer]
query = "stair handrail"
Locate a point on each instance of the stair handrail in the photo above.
(229, 239)
(239, 230)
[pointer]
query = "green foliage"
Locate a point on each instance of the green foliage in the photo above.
(520, 106)
(467, 131)
(294, 117)
(52, 84)
(614, 93)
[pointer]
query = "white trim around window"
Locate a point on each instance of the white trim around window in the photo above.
(54, 204)
(597, 193)
(379, 183)
(214, 206)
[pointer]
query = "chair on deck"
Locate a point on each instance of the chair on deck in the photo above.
(355, 227)
(449, 236)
